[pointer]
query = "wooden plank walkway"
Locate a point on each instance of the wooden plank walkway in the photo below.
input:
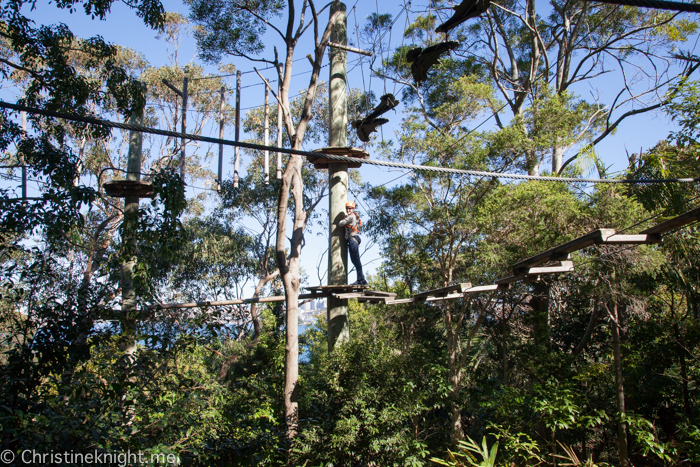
(530, 269)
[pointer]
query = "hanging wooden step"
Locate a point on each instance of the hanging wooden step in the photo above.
(532, 274)
(444, 291)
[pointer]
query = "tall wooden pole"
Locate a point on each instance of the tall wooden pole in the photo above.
(338, 321)
(238, 129)
(184, 127)
(221, 136)
(129, 234)
(266, 126)
(279, 121)
(24, 166)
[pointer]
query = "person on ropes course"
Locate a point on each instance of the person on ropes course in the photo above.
(353, 224)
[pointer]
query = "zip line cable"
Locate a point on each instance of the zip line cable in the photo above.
(260, 147)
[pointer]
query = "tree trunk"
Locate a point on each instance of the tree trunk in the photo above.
(557, 159)
(455, 379)
(619, 390)
(540, 317)
(289, 271)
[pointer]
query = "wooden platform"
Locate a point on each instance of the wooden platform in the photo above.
(321, 162)
(124, 188)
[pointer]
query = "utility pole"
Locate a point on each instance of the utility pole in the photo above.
(24, 166)
(279, 121)
(266, 127)
(238, 128)
(221, 136)
(338, 320)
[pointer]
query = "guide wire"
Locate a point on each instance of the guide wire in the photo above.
(319, 155)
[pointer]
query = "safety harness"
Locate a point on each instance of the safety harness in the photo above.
(354, 229)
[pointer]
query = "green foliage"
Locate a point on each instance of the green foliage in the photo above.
(226, 27)
(467, 449)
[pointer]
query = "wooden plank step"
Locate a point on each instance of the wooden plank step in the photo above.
(373, 299)
(400, 301)
(562, 251)
(444, 297)
(561, 266)
(678, 221)
(444, 290)
(347, 295)
(486, 288)
(517, 277)
(533, 273)
(380, 293)
(638, 239)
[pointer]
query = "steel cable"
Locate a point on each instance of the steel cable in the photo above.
(317, 155)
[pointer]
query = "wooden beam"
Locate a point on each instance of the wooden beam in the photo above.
(444, 290)
(674, 223)
(515, 278)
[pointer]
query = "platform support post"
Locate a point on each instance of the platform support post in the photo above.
(338, 319)
(129, 236)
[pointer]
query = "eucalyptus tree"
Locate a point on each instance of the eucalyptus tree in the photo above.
(426, 225)
(538, 57)
(246, 30)
(255, 199)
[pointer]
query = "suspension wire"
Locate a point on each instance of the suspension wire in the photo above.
(228, 75)
(316, 155)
